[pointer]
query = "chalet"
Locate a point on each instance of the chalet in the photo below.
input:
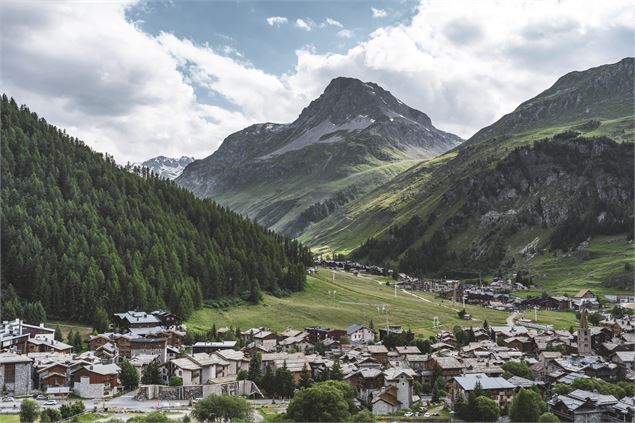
(135, 319)
(42, 343)
(402, 380)
(367, 381)
(96, 381)
(625, 359)
(416, 362)
(299, 342)
(386, 402)
(167, 319)
(585, 299)
(582, 406)
(497, 388)
(211, 366)
(187, 369)
(542, 302)
(404, 351)
(378, 352)
(319, 334)
(15, 373)
(38, 331)
(264, 338)
(96, 341)
(53, 374)
(150, 346)
(520, 343)
(449, 367)
(359, 334)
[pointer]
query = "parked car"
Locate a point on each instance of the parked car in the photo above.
(41, 397)
(8, 399)
(50, 402)
(408, 414)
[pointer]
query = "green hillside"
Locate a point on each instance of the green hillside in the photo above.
(83, 237)
(452, 194)
(355, 300)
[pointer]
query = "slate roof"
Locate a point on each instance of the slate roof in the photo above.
(468, 382)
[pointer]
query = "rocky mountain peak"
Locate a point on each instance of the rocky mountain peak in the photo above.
(346, 99)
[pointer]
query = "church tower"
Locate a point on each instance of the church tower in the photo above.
(584, 336)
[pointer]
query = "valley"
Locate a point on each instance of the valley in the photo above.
(356, 299)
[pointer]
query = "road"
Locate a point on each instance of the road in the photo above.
(511, 318)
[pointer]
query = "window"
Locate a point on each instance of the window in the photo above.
(9, 373)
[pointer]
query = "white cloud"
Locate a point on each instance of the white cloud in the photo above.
(345, 33)
(277, 21)
(333, 22)
(307, 24)
(134, 95)
(378, 13)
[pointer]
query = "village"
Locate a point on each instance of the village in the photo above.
(394, 374)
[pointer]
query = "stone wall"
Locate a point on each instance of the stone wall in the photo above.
(23, 381)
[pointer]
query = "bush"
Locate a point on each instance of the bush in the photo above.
(516, 368)
(222, 408)
(548, 418)
(527, 406)
(29, 410)
(152, 417)
(176, 381)
(363, 416)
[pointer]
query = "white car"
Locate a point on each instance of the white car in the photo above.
(8, 399)
(408, 414)
(50, 402)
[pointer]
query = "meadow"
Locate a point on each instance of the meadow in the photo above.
(339, 299)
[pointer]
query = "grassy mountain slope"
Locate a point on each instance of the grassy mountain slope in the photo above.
(355, 301)
(83, 237)
(437, 192)
(354, 137)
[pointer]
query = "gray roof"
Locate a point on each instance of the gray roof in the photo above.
(138, 317)
(353, 328)
(468, 382)
(521, 382)
(14, 358)
(597, 398)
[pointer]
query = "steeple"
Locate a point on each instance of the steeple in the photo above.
(584, 323)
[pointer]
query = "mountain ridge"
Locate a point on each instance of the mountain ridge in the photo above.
(350, 139)
(418, 192)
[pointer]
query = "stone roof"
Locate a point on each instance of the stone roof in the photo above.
(468, 382)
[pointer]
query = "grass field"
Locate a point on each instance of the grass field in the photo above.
(66, 326)
(9, 418)
(590, 268)
(341, 302)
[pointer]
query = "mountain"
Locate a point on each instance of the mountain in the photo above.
(351, 139)
(549, 175)
(83, 237)
(165, 167)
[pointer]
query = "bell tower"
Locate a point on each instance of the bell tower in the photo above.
(584, 336)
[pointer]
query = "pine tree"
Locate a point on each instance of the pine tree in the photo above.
(254, 373)
(305, 377)
(336, 371)
(58, 334)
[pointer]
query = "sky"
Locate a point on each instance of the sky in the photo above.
(137, 79)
